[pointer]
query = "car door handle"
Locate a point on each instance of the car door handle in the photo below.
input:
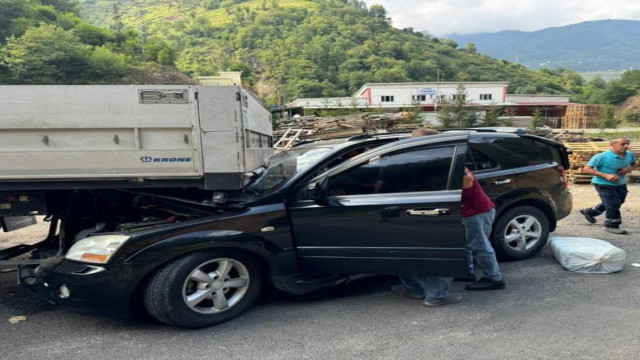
(502, 182)
(428, 212)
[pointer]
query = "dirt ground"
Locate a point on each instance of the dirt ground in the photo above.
(583, 196)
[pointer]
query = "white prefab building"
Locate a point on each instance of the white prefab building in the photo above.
(429, 94)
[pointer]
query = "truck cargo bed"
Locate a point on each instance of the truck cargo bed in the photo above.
(130, 135)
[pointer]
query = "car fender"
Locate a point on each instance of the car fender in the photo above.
(531, 197)
(277, 259)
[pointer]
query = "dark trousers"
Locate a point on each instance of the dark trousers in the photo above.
(612, 198)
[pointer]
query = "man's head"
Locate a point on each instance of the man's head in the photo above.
(424, 131)
(620, 145)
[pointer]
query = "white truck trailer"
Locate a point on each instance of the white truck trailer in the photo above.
(65, 145)
(107, 136)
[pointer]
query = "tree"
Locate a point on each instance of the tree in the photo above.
(470, 47)
(46, 54)
(632, 116)
(609, 119)
(10, 11)
(492, 116)
(597, 82)
(538, 120)
(456, 113)
(93, 35)
(71, 6)
(159, 51)
(617, 92)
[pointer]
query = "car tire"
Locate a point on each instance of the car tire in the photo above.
(203, 288)
(520, 233)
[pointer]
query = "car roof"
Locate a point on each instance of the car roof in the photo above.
(340, 142)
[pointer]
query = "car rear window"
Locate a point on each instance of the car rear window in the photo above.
(513, 152)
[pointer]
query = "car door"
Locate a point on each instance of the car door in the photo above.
(392, 212)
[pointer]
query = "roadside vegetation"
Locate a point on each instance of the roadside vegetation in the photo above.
(285, 49)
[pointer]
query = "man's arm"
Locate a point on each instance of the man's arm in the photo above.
(628, 169)
(467, 180)
(610, 177)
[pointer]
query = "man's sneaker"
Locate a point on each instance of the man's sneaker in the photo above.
(486, 284)
(587, 216)
(402, 290)
(617, 231)
(451, 299)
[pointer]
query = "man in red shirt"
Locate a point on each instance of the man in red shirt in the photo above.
(478, 213)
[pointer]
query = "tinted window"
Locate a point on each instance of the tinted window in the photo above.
(535, 152)
(419, 170)
(478, 161)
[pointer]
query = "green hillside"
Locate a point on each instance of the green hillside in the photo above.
(286, 49)
(294, 48)
(48, 42)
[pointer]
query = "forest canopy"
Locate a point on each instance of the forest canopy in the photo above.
(285, 49)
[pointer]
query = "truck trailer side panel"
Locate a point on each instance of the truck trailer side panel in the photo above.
(98, 133)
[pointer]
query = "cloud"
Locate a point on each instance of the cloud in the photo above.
(440, 17)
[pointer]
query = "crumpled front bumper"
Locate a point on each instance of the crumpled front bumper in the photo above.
(105, 290)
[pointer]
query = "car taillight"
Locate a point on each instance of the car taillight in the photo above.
(563, 177)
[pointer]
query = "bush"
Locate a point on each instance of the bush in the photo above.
(632, 116)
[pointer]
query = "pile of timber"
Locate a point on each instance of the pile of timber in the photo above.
(582, 153)
(579, 116)
(347, 125)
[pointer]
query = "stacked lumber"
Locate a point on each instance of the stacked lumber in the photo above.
(347, 125)
(582, 153)
(579, 116)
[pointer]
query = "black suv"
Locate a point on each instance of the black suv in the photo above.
(319, 214)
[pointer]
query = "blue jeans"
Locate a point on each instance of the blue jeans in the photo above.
(612, 198)
(432, 287)
(480, 254)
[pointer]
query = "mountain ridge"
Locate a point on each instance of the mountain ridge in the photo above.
(598, 45)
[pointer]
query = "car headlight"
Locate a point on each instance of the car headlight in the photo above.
(96, 249)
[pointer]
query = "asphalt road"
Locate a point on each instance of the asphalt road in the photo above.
(545, 312)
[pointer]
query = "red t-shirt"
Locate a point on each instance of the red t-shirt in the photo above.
(474, 200)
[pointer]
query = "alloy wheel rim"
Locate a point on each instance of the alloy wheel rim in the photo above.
(523, 233)
(215, 286)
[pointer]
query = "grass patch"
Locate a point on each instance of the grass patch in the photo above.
(633, 135)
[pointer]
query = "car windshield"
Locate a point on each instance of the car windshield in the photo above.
(284, 166)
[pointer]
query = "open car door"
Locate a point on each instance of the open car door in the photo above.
(394, 211)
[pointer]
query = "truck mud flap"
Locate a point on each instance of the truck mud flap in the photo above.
(10, 223)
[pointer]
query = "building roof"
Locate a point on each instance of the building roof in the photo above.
(431, 84)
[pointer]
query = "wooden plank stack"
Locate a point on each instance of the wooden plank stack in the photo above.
(347, 125)
(579, 116)
(582, 153)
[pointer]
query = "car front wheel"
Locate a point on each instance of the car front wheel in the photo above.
(520, 233)
(203, 289)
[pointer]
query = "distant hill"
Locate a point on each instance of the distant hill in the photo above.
(587, 46)
(288, 49)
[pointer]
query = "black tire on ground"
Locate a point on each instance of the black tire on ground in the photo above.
(203, 288)
(520, 233)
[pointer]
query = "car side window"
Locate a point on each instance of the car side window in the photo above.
(409, 171)
(478, 161)
(533, 152)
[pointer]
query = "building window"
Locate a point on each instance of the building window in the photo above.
(461, 97)
(485, 97)
(419, 98)
(442, 97)
(386, 98)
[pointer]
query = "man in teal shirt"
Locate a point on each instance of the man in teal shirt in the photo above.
(610, 170)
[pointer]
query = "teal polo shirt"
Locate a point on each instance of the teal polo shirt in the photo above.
(609, 162)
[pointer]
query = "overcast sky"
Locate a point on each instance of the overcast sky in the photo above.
(440, 17)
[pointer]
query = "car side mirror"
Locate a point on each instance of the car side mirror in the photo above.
(318, 191)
